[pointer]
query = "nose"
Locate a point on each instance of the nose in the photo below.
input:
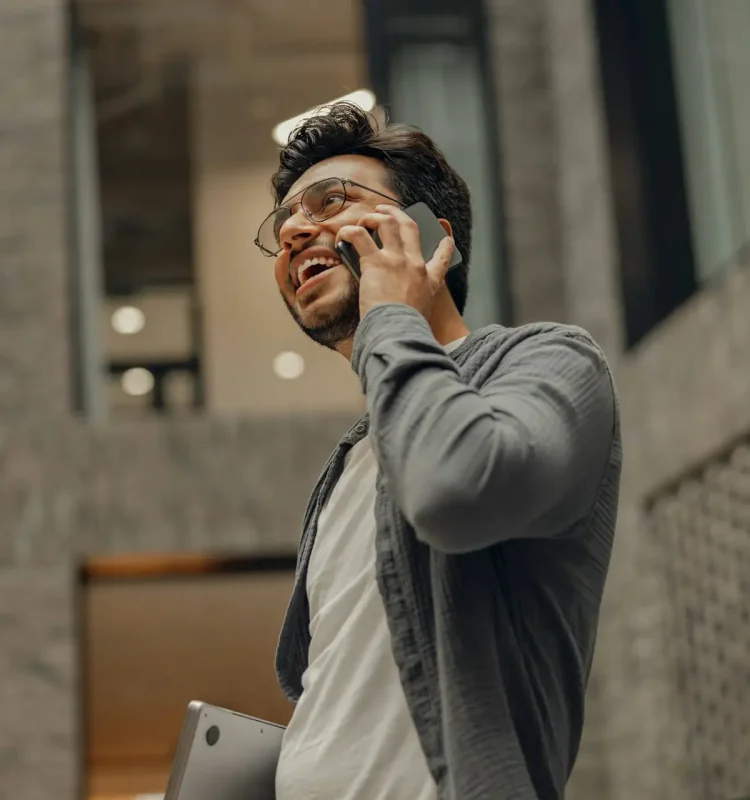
(297, 230)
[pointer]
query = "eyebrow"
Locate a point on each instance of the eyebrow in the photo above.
(297, 194)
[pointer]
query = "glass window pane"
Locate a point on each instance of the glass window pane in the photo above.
(712, 63)
(438, 87)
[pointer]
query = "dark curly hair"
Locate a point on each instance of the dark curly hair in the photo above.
(417, 170)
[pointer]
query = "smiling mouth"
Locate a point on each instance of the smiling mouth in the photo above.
(312, 267)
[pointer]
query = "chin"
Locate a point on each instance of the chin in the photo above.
(321, 315)
(330, 317)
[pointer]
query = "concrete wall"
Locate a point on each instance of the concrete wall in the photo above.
(523, 81)
(34, 373)
(36, 609)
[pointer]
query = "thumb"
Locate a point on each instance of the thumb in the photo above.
(437, 266)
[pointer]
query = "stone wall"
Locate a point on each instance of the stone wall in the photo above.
(69, 489)
(701, 523)
(40, 733)
(34, 359)
(519, 42)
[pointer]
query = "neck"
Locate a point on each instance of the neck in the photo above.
(446, 323)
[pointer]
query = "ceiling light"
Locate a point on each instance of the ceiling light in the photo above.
(128, 320)
(363, 98)
(289, 365)
(137, 381)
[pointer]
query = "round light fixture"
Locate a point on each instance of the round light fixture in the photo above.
(289, 365)
(137, 381)
(128, 320)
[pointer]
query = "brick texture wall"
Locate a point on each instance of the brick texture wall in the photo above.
(702, 522)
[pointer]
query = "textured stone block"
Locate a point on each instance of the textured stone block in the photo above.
(529, 158)
(585, 204)
(34, 352)
(39, 732)
(71, 490)
(31, 64)
(686, 387)
(703, 524)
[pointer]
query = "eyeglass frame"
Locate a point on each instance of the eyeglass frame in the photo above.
(344, 182)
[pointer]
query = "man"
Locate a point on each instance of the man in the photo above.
(454, 552)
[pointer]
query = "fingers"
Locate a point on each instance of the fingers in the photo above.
(360, 237)
(407, 228)
(387, 228)
(437, 266)
(398, 233)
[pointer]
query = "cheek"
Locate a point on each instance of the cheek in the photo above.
(350, 216)
(281, 273)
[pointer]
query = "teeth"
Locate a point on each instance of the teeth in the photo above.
(311, 262)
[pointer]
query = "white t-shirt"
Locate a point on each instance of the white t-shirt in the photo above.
(351, 736)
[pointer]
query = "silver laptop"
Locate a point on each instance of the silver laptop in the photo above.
(223, 755)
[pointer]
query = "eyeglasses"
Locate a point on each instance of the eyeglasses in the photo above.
(319, 201)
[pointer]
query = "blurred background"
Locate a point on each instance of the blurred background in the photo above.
(162, 421)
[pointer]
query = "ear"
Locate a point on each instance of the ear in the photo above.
(447, 227)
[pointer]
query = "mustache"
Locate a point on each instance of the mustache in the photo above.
(319, 242)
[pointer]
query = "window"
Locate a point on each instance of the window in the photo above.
(430, 65)
(646, 161)
(712, 64)
(135, 300)
(678, 113)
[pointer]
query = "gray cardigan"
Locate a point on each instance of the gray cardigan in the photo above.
(499, 469)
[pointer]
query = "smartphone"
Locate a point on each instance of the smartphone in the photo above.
(431, 233)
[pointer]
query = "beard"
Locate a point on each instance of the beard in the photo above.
(334, 326)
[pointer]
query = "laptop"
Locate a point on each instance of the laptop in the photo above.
(223, 755)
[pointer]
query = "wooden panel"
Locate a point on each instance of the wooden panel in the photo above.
(153, 645)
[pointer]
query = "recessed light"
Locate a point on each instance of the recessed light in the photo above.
(363, 98)
(289, 365)
(137, 381)
(128, 320)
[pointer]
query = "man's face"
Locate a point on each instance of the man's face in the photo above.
(324, 298)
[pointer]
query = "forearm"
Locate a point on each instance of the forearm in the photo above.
(467, 466)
